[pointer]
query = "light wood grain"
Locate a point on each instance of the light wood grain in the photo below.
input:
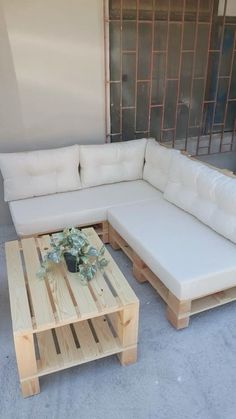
(214, 300)
(47, 351)
(156, 283)
(20, 310)
(41, 303)
(102, 293)
(68, 349)
(138, 267)
(175, 320)
(61, 296)
(127, 332)
(27, 364)
(87, 343)
(85, 302)
(89, 350)
(107, 341)
(114, 274)
(59, 301)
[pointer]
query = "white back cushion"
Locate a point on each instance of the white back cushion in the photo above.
(40, 172)
(109, 163)
(205, 193)
(157, 163)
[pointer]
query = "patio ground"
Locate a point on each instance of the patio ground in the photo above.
(188, 374)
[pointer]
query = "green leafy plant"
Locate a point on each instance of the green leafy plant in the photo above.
(73, 246)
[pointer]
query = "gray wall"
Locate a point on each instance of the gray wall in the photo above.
(51, 76)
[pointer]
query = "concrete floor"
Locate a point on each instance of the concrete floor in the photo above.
(189, 374)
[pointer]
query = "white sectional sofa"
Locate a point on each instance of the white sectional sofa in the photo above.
(173, 216)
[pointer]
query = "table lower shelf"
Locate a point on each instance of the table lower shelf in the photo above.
(75, 344)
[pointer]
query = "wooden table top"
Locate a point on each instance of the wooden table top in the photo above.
(60, 298)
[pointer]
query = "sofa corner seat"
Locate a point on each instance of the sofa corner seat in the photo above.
(169, 214)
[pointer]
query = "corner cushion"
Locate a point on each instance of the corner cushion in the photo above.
(157, 163)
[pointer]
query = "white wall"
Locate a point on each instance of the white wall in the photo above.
(51, 75)
(230, 8)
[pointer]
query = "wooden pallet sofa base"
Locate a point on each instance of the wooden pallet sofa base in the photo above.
(178, 311)
(94, 173)
(101, 229)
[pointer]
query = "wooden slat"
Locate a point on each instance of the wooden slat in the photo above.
(47, 350)
(214, 300)
(59, 290)
(102, 293)
(71, 355)
(87, 343)
(115, 276)
(123, 245)
(69, 351)
(156, 283)
(119, 283)
(83, 297)
(20, 311)
(106, 339)
(128, 251)
(41, 303)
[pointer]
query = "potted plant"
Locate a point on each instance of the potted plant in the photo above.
(73, 247)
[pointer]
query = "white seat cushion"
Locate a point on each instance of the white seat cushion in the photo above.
(85, 206)
(188, 257)
(205, 193)
(109, 163)
(41, 172)
(157, 163)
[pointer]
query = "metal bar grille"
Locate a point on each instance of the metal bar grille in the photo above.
(172, 73)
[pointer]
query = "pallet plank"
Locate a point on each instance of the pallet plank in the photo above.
(59, 290)
(47, 350)
(39, 294)
(123, 245)
(106, 339)
(214, 300)
(102, 293)
(20, 310)
(69, 351)
(86, 305)
(87, 343)
(71, 355)
(114, 274)
(156, 283)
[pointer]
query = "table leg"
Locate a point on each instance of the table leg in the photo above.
(127, 331)
(27, 364)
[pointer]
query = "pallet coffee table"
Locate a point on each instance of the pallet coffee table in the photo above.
(59, 322)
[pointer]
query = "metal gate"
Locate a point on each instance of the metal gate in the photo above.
(171, 72)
